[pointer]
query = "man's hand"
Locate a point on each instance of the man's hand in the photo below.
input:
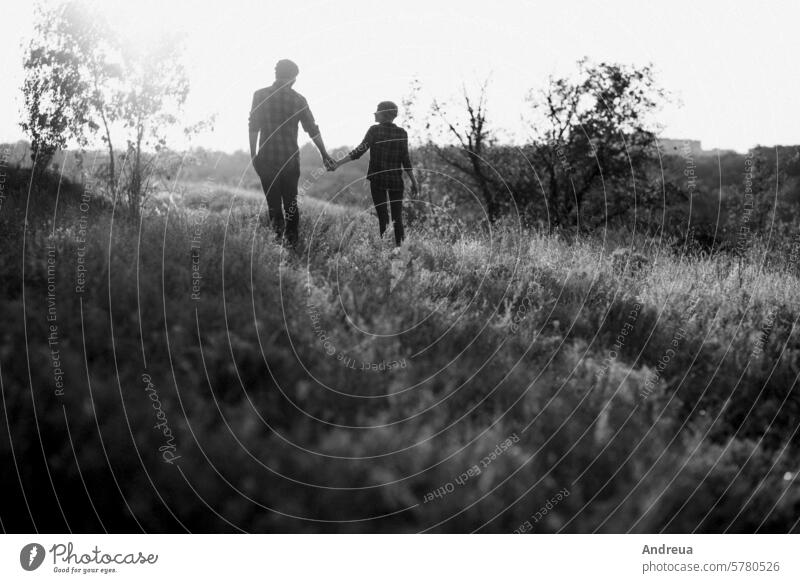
(414, 188)
(330, 163)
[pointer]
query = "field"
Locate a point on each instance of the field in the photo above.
(186, 373)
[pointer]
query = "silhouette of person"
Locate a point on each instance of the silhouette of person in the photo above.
(274, 116)
(388, 145)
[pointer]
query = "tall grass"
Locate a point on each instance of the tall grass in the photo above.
(335, 387)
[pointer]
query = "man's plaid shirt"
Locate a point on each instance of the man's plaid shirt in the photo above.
(275, 113)
(388, 145)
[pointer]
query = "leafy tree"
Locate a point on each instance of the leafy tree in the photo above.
(590, 148)
(594, 135)
(83, 79)
(155, 90)
(57, 88)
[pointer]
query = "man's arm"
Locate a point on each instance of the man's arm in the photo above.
(253, 144)
(252, 125)
(312, 129)
(330, 164)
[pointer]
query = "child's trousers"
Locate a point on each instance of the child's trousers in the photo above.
(382, 207)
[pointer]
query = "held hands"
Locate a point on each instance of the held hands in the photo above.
(414, 188)
(330, 163)
(335, 164)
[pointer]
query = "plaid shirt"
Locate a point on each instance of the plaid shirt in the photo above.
(389, 155)
(275, 113)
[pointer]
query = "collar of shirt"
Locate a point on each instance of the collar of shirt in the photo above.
(280, 86)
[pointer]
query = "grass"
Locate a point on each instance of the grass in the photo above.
(335, 388)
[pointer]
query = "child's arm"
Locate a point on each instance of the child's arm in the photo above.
(414, 185)
(409, 170)
(359, 150)
(342, 162)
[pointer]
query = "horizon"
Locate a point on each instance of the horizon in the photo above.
(307, 147)
(728, 95)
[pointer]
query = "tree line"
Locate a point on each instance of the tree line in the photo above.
(588, 159)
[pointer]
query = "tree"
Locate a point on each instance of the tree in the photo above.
(155, 91)
(82, 79)
(594, 135)
(586, 160)
(473, 140)
(57, 88)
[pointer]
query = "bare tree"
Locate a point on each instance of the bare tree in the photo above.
(474, 139)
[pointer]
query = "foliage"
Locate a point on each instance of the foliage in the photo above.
(269, 424)
(595, 136)
(587, 159)
(82, 78)
(61, 89)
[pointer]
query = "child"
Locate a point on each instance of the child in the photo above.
(388, 158)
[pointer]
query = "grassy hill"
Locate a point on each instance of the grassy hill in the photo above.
(480, 379)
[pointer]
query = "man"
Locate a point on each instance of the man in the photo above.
(274, 116)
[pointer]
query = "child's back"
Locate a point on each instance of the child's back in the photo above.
(388, 145)
(388, 159)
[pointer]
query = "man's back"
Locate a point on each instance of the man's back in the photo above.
(275, 113)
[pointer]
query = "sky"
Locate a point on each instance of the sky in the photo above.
(730, 66)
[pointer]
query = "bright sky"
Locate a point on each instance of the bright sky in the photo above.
(732, 64)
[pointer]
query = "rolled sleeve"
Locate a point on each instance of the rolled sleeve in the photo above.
(307, 120)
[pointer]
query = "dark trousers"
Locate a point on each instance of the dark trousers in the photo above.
(395, 203)
(280, 188)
